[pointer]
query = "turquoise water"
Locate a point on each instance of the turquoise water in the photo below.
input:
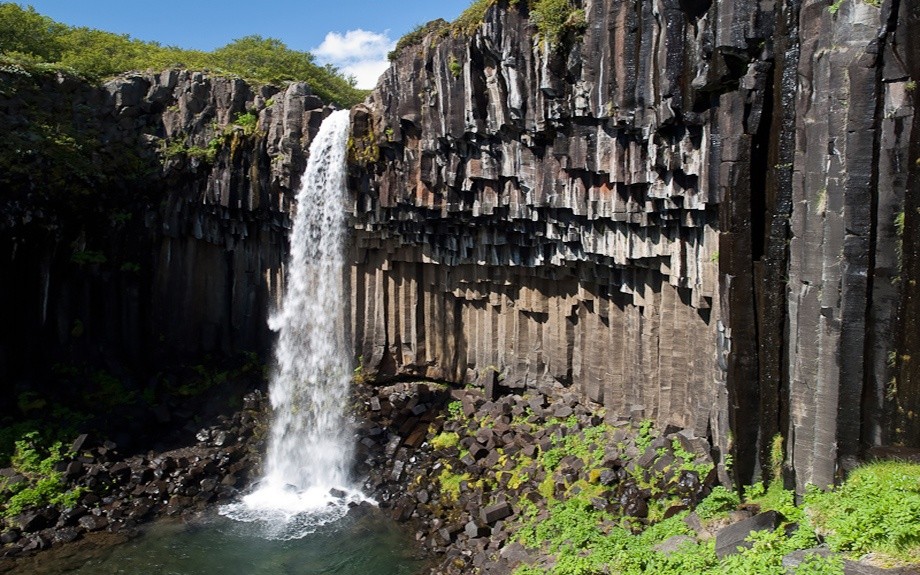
(369, 544)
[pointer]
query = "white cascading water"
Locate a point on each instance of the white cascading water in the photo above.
(309, 449)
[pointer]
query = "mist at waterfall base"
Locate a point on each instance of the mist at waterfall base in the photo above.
(306, 483)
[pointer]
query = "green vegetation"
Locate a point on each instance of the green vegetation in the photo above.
(449, 482)
(573, 518)
(455, 410)
(52, 153)
(363, 150)
(471, 18)
(88, 257)
(42, 485)
(415, 37)
(454, 66)
(248, 122)
(445, 440)
(245, 125)
(555, 18)
(465, 24)
(33, 41)
(876, 510)
(719, 502)
(644, 438)
(837, 4)
(586, 541)
(359, 375)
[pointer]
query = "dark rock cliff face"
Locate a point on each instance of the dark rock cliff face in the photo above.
(701, 213)
(690, 212)
(144, 222)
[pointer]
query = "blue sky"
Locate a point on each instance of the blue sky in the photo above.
(302, 25)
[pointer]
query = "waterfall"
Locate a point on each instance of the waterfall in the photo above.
(309, 449)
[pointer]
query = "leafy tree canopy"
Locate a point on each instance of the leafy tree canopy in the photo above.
(29, 37)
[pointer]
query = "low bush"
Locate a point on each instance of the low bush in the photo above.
(43, 485)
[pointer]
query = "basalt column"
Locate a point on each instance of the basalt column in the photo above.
(686, 211)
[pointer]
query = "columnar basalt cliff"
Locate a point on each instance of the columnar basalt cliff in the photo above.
(702, 213)
(688, 211)
(145, 220)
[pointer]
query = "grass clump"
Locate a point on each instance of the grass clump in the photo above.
(555, 18)
(471, 18)
(876, 510)
(445, 440)
(449, 482)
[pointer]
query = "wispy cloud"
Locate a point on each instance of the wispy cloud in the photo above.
(358, 53)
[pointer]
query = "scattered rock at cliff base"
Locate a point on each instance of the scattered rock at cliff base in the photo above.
(464, 487)
(733, 538)
(493, 513)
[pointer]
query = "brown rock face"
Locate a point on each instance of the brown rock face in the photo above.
(686, 212)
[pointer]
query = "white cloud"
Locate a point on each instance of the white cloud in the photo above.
(358, 53)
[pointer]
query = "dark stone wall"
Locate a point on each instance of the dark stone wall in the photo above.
(905, 383)
(141, 228)
(687, 211)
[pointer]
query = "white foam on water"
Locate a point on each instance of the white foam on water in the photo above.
(306, 483)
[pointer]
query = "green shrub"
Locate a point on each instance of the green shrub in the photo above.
(248, 121)
(720, 501)
(454, 66)
(455, 410)
(43, 484)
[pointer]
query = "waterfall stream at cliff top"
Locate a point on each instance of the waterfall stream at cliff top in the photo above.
(306, 482)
